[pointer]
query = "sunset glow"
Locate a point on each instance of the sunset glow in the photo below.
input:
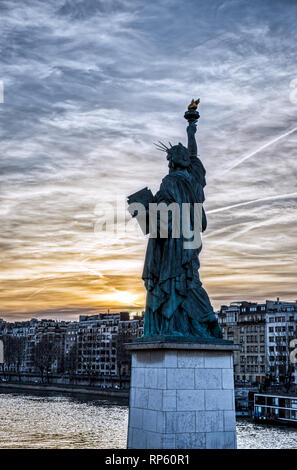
(87, 91)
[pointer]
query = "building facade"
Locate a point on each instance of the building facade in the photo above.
(264, 332)
(244, 324)
(92, 347)
(281, 329)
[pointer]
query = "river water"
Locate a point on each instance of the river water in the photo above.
(48, 421)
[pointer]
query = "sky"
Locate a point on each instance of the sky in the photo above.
(89, 86)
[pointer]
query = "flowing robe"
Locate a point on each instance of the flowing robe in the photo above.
(177, 304)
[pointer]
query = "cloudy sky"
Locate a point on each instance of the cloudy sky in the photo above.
(89, 85)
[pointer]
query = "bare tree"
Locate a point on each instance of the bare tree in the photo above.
(19, 352)
(14, 350)
(45, 353)
(71, 361)
(8, 353)
(123, 355)
(87, 367)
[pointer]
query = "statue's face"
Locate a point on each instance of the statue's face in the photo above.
(169, 158)
(178, 157)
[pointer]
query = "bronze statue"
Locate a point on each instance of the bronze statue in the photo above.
(177, 305)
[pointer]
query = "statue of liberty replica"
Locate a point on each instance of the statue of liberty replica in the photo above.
(182, 378)
(177, 306)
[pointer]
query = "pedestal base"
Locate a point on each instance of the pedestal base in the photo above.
(181, 396)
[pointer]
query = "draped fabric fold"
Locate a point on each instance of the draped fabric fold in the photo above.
(177, 304)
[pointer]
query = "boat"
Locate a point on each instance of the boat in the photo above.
(275, 409)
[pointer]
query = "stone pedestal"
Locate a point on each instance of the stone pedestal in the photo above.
(181, 396)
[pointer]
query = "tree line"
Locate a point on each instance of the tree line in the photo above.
(49, 351)
(43, 354)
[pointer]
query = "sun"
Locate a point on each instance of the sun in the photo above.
(124, 297)
(120, 297)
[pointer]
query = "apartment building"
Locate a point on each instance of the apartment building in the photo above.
(93, 346)
(281, 328)
(264, 332)
(244, 324)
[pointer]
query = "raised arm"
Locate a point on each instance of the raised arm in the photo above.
(197, 168)
(192, 145)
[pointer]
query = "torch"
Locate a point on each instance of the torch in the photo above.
(192, 115)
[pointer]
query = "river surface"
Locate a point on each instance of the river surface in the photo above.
(52, 421)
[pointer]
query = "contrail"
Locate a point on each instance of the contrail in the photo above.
(268, 198)
(249, 155)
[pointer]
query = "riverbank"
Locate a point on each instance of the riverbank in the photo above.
(65, 389)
